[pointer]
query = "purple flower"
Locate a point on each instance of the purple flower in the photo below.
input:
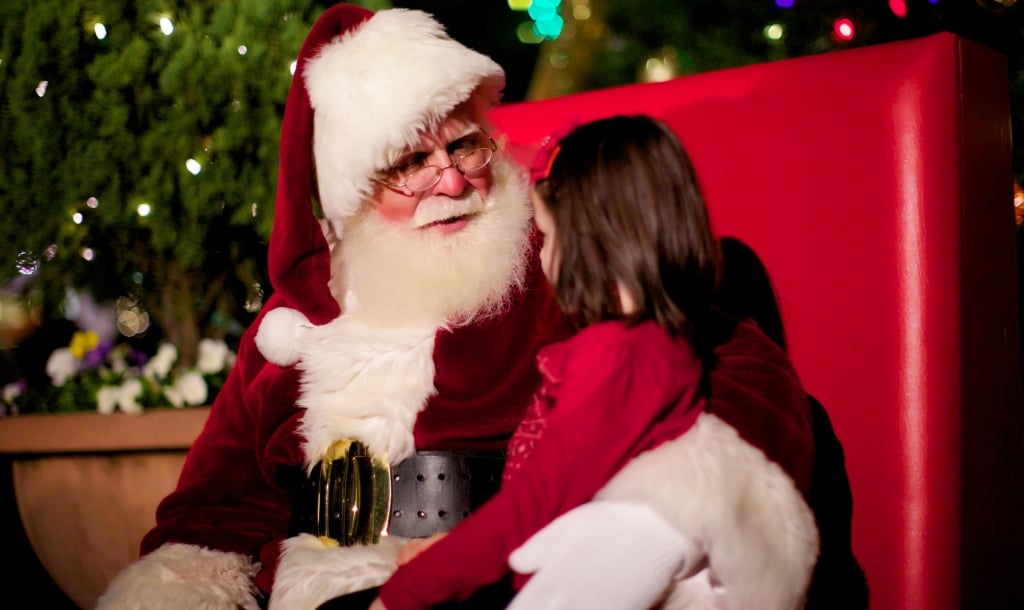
(97, 356)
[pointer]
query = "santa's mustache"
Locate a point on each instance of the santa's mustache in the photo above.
(441, 208)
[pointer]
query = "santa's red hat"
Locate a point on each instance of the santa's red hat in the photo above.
(365, 85)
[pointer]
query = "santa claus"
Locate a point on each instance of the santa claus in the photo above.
(374, 394)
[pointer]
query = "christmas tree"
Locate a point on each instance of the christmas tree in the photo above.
(139, 155)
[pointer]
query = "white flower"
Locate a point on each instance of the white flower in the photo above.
(213, 356)
(160, 365)
(130, 390)
(106, 399)
(180, 390)
(117, 362)
(174, 397)
(12, 391)
(192, 388)
(61, 366)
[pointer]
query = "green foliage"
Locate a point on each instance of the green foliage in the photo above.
(708, 41)
(115, 125)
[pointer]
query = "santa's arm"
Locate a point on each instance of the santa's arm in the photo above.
(202, 552)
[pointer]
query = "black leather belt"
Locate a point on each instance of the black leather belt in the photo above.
(354, 497)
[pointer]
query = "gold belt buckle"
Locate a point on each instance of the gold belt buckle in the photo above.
(353, 494)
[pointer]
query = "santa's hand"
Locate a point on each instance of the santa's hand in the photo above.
(602, 555)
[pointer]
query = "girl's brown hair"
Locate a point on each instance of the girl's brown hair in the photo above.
(628, 209)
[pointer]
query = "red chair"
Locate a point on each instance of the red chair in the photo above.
(876, 185)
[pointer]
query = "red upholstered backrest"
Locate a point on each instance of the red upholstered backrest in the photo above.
(876, 185)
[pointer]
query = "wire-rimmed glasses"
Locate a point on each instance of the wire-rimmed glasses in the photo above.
(469, 155)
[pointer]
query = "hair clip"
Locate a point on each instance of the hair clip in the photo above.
(545, 159)
(549, 149)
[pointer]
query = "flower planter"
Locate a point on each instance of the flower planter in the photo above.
(87, 486)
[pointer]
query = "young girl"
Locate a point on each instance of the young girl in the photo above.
(629, 253)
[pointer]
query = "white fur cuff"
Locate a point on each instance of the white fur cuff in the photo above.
(311, 572)
(758, 534)
(178, 576)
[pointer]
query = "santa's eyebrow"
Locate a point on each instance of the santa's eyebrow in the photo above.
(457, 143)
(411, 152)
(409, 157)
(401, 156)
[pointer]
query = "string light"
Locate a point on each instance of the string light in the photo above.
(774, 31)
(581, 11)
(144, 209)
(100, 30)
(27, 264)
(655, 71)
(547, 23)
(166, 26)
(525, 33)
(843, 29)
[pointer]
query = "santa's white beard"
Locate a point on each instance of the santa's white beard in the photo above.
(394, 275)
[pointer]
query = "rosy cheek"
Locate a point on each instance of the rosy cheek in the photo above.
(481, 185)
(395, 207)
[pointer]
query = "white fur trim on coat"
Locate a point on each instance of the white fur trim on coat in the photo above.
(759, 535)
(310, 572)
(177, 576)
(358, 381)
(376, 87)
(281, 333)
(366, 383)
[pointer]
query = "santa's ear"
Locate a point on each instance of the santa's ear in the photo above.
(281, 335)
(332, 232)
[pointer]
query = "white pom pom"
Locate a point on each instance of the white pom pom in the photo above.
(281, 334)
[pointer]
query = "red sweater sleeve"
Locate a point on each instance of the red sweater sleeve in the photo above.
(619, 391)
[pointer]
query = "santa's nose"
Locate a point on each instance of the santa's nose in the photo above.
(452, 182)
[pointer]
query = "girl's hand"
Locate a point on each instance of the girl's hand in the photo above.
(377, 605)
(413, 548)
